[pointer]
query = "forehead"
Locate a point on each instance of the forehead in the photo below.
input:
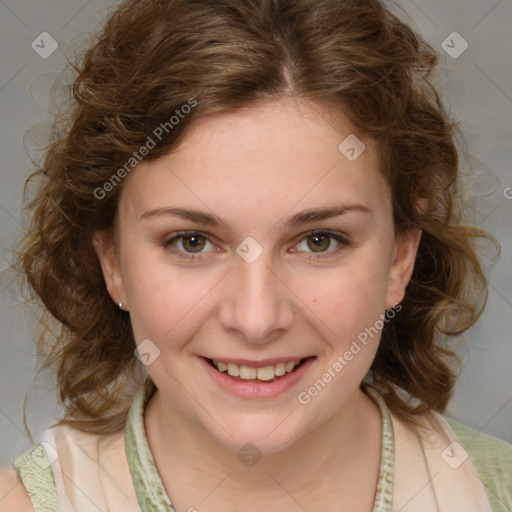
(266, 159)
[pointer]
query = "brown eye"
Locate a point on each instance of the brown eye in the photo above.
(322, 244)
(189, 245)
(319, 241)
(193, 243)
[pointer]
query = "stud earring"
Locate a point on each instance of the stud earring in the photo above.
(120, 305)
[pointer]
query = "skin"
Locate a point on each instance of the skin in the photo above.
(13, 495)
(254, 169)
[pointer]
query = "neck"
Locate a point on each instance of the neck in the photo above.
(345, 446)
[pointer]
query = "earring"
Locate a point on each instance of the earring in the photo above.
(120, 305)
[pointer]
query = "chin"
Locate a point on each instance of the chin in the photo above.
(268, 436)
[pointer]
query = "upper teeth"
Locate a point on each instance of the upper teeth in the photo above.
(262, 373)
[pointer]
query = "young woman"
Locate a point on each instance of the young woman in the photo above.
(250, 254)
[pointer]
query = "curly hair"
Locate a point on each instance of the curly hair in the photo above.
(151, 57)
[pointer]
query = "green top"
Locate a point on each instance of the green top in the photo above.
(492, 458)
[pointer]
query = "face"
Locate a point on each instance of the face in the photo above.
(256, 243)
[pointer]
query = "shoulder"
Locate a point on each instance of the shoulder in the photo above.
(484, 446)
(34, 473)
(13, 495)
(492, 458)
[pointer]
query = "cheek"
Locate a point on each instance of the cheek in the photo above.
(348, 305)
(349, 299)
(166, 301)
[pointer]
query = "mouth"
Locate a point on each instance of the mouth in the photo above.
(259, 372)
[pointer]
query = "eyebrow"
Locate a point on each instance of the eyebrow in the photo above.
(304, 217)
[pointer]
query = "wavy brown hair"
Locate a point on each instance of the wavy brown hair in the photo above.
(359, 58)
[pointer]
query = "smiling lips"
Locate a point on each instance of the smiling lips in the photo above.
(259, 370)
(257, 380)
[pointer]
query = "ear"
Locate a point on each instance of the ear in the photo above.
(104, 247)
(406, 248)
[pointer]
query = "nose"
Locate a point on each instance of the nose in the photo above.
(257, 305)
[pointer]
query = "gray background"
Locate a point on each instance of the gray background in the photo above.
(476, 85)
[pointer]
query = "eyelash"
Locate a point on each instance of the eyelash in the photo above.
(324, 254)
